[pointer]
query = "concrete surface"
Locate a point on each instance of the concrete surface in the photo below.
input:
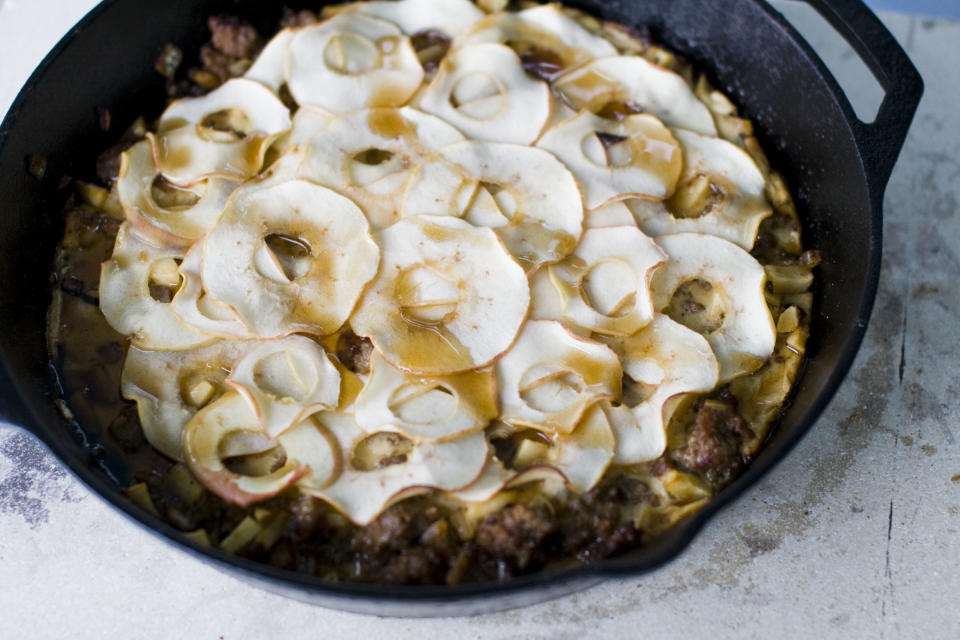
(855, 535)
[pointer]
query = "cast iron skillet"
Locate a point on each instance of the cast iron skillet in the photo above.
(836, 165)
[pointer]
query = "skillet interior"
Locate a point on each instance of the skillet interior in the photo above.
(809, 133)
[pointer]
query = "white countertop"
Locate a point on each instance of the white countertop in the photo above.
(855, 535)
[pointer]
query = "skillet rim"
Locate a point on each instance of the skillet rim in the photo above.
(639, 561)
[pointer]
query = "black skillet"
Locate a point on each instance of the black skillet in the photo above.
(837, 166)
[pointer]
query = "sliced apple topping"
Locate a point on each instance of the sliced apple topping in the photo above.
(225, 133)
(546, 39)
(230, 420)
(163, 212)
(450, 17)
(716, 288)
(448, 298)
(426, 408)
(550, 376)
(285, 381)
(612, 160)
(660, 361)
(605, 282)
(721, 192)
(270, 67)
(352, 61)
(368, 156)
(527, 195)
(484, 92)
(137, 284)
(195, 308)
(293, 257)
(170, 386)
(488, 254)
(638, 86)
(383, 467)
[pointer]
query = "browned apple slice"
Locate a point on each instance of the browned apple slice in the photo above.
(484, 92)
(308, 122)
(136, 286)
(315, 450)
(639, 84)
(291, 257)
(270, 67)
(169, 387)
(225, 133)
(605, 282)
(550, 376)
(352, 61)
(636, 156)
(615, 214)
(426, 408)
(448, 298)
(525, 194)
(584, 455)
(383, 467)
(195, 308)
(721, 192)
(203, 438)
(450, 17)
(661, 361)
(189, 211)
(285, 381)
(368, 156)
(716, 288)
(548, 40)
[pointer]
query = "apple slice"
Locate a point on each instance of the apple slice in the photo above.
(496, 478)
(225, 133)
(270, 67)
(578, 459)
(617, 159)
(363, 491)
(176, 225)
(529, 197)
(541, 34)
(605, 282)
(584, 455)
(726, 284)
(484, 92)
(195, 308)
(368, 156)
(308, 122)
(170, 386)
(285, 381)
(639, 84)
(426, 408)
(448, 298)
(135, 273)
(615, 214)
(664, 359)
(352, 61)
(203, 438)
(721, 192)
(318, 289)
(550, 376)
(450, 17)
(313, 448)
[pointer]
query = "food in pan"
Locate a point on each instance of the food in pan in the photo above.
(421, 291)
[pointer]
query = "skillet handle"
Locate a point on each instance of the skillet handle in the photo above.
(880, 141)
